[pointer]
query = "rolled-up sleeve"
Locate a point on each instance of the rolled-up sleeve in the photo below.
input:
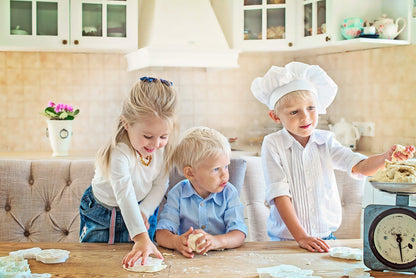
(275, 177)
(170, 215)
(234, 214)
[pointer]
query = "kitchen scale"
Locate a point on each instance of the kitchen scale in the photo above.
(390, 230)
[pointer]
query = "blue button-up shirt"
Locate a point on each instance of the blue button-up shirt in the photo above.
(218, 214)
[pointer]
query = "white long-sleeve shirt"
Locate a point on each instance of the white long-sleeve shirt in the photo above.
(306, 175)
(131, 182)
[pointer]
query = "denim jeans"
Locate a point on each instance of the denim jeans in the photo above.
(95, 221)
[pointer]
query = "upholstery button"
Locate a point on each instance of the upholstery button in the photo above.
(65, 232)
(27, 234)
(47, 207)
(31, 181)
(68, 183)
(7, 207)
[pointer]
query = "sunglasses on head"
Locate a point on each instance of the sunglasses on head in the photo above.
(153, 79)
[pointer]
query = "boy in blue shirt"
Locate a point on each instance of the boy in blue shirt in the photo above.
(205, 202)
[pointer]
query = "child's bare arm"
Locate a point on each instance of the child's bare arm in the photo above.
(169, 240)
(232, 239)
(369, 166)
(288, 214)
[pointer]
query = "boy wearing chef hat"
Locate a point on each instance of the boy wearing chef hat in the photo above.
(299, 160)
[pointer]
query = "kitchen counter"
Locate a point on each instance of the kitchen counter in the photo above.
(103, 260)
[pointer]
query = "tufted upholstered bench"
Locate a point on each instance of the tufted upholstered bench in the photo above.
(39, 199)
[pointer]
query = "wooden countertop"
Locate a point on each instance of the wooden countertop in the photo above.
(103, 260)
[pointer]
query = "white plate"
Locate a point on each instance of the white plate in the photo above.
(395, 187)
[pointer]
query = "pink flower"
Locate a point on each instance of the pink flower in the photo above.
(51, 104)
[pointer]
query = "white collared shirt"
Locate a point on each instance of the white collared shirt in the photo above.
(131, 182)
(306, 175)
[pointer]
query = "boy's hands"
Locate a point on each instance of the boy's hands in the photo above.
(181, 244)
(206, 242)
(313, 244)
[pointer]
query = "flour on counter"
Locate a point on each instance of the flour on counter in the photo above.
(285, 271)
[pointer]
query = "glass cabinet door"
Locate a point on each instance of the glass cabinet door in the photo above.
(38, 18)
(34, 23)
(264, 19)
(103, 23)
(314, 17)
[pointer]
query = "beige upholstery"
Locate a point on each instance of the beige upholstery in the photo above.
(39, 199)
(253, 196)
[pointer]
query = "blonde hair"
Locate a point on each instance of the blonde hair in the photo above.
(196, 144)
(295, 94)
(146, 99)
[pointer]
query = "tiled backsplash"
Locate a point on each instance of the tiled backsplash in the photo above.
(374, 85)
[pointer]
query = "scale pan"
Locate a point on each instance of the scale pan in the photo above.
(395, 187)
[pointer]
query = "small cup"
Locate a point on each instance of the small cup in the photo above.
(369, 30)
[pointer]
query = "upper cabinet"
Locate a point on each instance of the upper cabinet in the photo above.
(301, 25)
(68, 25)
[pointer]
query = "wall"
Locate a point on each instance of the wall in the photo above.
(374, 85)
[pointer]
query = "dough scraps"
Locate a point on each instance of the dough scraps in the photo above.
(151, 265)
(52, 256)
(26, 253)
(16, 266)
(346, 253)
(399, 172)
(192, 238)
(283, 271)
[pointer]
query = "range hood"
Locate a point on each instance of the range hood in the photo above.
(180, 33)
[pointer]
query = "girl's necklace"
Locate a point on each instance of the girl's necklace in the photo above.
(145, 161)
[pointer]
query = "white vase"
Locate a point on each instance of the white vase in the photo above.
(60, 134)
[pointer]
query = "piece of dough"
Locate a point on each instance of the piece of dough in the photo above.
(346, 253)
(151, 265)
(192, 238)
(399, 172)
(26, 253)
(52, 256)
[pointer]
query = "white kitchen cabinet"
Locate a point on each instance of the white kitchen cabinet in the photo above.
(73, 25)
(302, 25)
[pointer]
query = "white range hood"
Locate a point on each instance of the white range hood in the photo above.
(180, 33)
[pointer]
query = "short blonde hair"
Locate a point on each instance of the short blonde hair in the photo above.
(197, 144)
(295, 94)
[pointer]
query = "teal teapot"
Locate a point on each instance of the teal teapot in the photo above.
(387, 28)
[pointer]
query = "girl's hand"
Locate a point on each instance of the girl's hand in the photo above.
(400, 153)
(314, 244)
(181, 244)
(206, 242)
(142, 248)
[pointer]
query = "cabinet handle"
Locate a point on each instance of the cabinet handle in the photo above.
(64, 42)
(290, 44)
(76, 42)
(327, 38)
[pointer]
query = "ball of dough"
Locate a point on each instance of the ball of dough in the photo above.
(192, 238)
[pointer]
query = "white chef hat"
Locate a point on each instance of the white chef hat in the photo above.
(279, 81)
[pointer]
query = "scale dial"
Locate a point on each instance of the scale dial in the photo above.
(392, 238)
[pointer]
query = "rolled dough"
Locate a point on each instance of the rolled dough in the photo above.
(151, 265)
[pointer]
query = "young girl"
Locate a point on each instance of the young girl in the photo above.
(130, 177)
